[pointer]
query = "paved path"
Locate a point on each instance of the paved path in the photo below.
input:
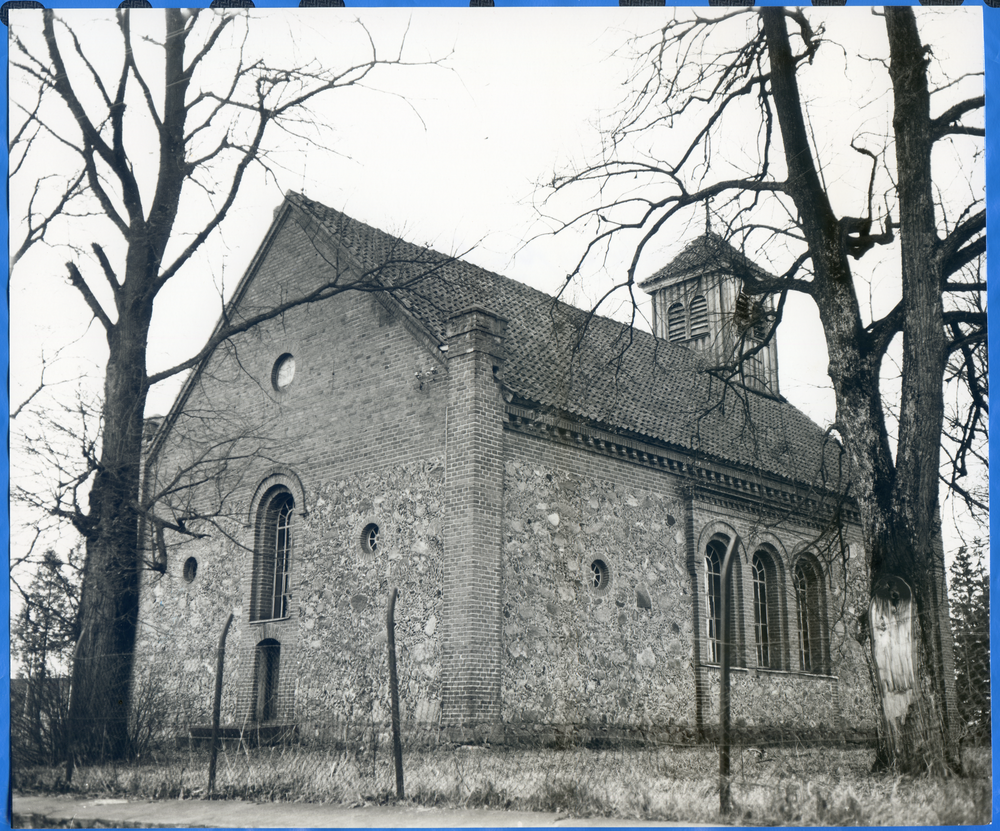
(235, 813)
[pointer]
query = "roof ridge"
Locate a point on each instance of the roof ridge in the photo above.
(295, 197)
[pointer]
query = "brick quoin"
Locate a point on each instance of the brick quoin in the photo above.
(472, 528)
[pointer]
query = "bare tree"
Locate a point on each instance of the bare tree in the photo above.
(162, 142)
(706, 84)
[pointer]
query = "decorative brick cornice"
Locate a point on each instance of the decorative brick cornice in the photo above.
(711, 479)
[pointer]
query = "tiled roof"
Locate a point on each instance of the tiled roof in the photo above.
(709, 253)
(593, 368)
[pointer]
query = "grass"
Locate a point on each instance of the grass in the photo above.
(790, 785)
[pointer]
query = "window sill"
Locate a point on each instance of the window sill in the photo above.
(261, 622)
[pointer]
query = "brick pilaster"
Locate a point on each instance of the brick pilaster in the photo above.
(471, 611)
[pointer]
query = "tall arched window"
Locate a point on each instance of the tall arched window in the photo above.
(713, 594)
(676, 324)
(766, 610)
(715, 554)
(699, 316)
(265, 689)
(273, 555)
(809, 616)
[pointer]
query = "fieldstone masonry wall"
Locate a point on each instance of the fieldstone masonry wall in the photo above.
(835, 697)
(573, 653)
(333, 664)
(635, 654)
(341, 593)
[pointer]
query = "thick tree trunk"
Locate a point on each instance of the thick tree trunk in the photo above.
(897, 498)
(102, 664)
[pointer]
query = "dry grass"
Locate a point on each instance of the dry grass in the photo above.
(777, 786)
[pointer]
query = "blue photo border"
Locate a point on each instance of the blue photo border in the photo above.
(991, 29)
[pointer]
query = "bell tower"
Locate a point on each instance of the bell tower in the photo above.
(699, 303)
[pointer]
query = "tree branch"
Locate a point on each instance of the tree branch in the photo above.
(109, 272)
(76, 278)
(92, 138)
(945, 124)
(953, 256)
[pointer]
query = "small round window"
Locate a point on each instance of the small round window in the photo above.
(190, 569)
(283, 372)
(369, 539)
(600, 576)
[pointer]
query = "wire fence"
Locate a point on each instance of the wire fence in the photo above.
(510, 766)
(580, 769)
(516, 766)
(41, 732)
(613, 769)
(575, 769)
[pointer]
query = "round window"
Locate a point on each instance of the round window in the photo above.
(283, 372)
(190, 569)
(369, 539)
(600, 576)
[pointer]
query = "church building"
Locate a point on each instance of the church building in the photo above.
(551, 492)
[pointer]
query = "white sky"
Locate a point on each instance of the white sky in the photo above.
(450, 156)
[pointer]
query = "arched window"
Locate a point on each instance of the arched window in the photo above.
(265, 688)
(676, 328)
(272, 556)
(713, 593)
(766, 610)
(715, 554)
(699, 316)
(809, 616)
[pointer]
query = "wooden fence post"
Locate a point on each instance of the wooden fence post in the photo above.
(217, 704)
(397, 747)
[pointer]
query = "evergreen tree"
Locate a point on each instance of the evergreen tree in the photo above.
(42, 638)
(970, 617)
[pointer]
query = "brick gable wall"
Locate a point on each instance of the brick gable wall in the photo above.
(358, 436)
